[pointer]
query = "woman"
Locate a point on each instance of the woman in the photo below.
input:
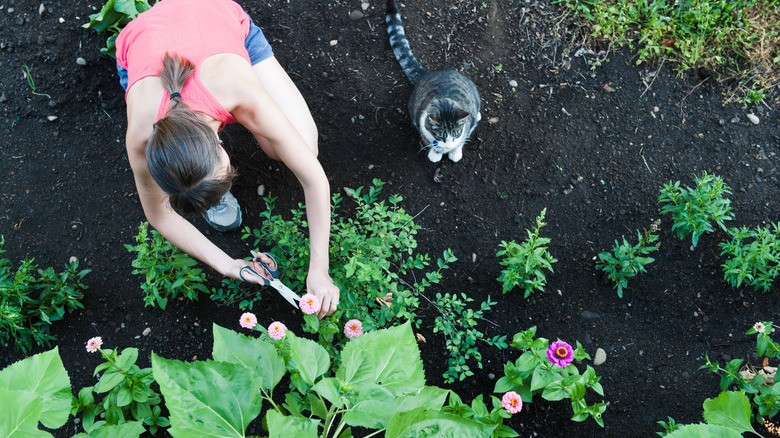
(189, 67)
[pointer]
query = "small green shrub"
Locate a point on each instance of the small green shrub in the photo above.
(457, 323)
(627, 261)
(756, 382)
(525, 263)
(29, 303)
(128, 393)
(167, 271)
(113, 17)
(753, 256)
(372, 258)
(693, 208)
(538, 371)
(236, 291)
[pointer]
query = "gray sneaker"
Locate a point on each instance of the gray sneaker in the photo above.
(226, 215)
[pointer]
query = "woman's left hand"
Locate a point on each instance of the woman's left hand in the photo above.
(321, 285)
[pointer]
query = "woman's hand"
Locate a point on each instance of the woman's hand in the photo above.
(321, 285)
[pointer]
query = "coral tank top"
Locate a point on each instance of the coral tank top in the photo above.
(192, 29)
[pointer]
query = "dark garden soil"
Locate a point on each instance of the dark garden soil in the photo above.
(592, 147)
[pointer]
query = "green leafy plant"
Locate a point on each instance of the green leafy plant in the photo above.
(380, 385)
(128, 393)
(457, 323)
(167, 271)
(626, 260)
(31, 299)
(693, 208)
(548, 369)
(113, 17)
(753, 256)
(727, 415)
(736, 39)
(372, 259)
(525, 263)
(758, 383)
(669, 426)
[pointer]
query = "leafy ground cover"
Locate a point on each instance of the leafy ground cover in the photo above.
(593, 147)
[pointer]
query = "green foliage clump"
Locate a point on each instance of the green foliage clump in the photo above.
(626, 260)
(167, 271)
(235, 291)
(533, 374)
(727, 415)
(372, 257)
(113, 17)
(693, 208)
(525, 262)
(31, 299)
(758, 383)
(457, 323)
(129, 396)
(753, 256)
(737, 39)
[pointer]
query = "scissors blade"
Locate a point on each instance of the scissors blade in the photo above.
(285, 292)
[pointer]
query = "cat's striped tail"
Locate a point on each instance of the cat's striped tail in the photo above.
(400, 44)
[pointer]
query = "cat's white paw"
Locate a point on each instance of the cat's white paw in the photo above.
(434, 156)
(456, 155)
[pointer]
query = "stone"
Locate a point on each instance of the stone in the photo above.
(600, 358)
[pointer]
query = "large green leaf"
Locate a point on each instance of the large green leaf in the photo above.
(730, 409)
(257, 356)
(430, 397)
(284, 426)
(373, 407)
(133, 429)
(389, 358)
(207, 399)
(43, 375)
(20, 413)
(422, 423)
(310, 358)
(704, 431)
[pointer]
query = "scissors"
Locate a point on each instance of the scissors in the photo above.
(274, 281)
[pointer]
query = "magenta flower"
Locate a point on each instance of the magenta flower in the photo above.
(560, 354)
(310, 304)
(248, 320)
(512, 402)
(759, 327)
(276, 330)
(94, 344)
(353, 328)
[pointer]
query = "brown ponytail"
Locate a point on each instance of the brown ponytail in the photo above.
(183, 153)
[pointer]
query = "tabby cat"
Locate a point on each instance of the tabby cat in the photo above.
(444, 105)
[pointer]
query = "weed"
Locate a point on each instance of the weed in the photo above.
(525, 262)
(31, 81)
(627, 261)
(754, 256)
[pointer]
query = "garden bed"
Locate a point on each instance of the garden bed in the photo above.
(592, 146)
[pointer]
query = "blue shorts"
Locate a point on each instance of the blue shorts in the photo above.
(256, 45)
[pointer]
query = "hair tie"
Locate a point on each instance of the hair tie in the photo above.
(175, 95)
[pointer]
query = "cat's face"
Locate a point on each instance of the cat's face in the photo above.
(445, 127)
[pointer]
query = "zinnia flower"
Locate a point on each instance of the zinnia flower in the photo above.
(310, 304)
(353, 328)
(94, 343)
(248, 320)
(560, 354)
(276, 330)
(759, 327)
(512, 402)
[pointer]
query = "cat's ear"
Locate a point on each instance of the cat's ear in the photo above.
(461, 114)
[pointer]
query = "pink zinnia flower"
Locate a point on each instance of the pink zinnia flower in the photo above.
(759, 327)
(512, 402)
(353, 328)
(94, 344)
(248, 320)
(560, 354)
(276, 330)
(310, 304)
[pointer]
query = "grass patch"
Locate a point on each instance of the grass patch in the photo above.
(737, 40)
